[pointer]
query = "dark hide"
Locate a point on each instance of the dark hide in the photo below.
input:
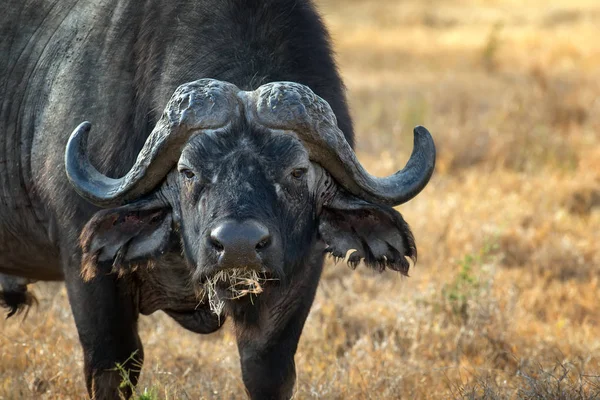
(137, 243)
(116, 64)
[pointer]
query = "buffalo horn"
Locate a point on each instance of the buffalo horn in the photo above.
(195, 107)
(291, 106)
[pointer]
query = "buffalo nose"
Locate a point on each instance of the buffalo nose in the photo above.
(239, 243)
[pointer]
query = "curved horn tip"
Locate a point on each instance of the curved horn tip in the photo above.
(78, 137)
(81, 131)
(424, 140)
(84, 126)
(422, 131)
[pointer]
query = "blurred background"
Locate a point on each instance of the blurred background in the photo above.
(503, 302)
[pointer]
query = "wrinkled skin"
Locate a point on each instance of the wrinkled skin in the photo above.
(116, 63)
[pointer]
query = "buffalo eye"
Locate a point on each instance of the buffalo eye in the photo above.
(298, 173)
(187, 173)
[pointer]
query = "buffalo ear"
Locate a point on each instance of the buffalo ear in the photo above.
(377, 234)
(125, 236)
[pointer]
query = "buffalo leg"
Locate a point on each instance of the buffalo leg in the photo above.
(106, 320)
(268, 370)
(267, 350)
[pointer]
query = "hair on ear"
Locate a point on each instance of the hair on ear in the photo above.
(355, 230)
(124, 238)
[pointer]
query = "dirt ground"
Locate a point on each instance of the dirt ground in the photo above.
(503, 302)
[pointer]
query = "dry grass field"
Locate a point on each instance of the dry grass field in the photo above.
(504, 301)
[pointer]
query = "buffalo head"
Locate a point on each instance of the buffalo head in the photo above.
(246, 185)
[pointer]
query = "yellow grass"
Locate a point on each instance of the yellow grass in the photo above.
(504, 299)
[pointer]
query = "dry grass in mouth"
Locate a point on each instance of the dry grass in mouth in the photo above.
(242, 282)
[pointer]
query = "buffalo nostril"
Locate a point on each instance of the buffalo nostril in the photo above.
(239, 243)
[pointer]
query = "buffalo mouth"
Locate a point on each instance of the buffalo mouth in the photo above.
(232, 285)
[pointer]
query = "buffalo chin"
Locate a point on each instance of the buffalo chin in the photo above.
(200, 320)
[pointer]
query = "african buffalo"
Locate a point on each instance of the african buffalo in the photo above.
(218, 203)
